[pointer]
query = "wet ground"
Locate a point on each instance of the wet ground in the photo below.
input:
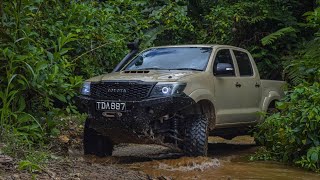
(226, 160)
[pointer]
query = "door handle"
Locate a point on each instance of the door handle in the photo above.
(238, 85)
(257, 85)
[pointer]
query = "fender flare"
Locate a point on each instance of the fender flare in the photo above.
(271, 96)
(205, 95)
(202, 94)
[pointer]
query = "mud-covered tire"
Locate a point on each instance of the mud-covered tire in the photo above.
(196, 136)
(95, 143)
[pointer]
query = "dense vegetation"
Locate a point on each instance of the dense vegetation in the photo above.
(292, 135)
(47, 48)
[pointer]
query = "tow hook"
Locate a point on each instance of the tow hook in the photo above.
(112, 114)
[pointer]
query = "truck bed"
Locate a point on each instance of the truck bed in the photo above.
(272, 85)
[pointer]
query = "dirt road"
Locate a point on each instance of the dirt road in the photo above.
(227, 160)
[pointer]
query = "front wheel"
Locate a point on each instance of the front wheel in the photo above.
(196, 136)
(95, 143)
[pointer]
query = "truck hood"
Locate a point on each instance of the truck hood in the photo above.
(150, 76)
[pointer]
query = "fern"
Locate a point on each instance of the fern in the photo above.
(271, 38)
(293, 74)
(257, 19)
(306, 65)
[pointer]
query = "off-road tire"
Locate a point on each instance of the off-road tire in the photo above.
(196, 136)
(95, 143)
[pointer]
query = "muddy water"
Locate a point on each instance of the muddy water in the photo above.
(226, 160)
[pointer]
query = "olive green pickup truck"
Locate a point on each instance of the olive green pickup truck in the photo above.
(177, 96)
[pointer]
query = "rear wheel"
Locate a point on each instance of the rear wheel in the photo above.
(272, 108)
(95, 143)
(196, 136)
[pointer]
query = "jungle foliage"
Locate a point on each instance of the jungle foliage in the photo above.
(48, 47)
(292, 135)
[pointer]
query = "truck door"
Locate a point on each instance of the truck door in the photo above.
(249, 91)
(226, 91)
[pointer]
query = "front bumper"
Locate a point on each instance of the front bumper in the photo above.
(138, 116)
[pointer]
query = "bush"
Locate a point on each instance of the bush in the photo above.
(48, 47)
(293, 134)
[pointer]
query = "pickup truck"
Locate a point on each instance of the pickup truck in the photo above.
(177, 96)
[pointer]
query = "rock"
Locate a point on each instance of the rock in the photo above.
(16, 176)
(64, 138)
(5, 159)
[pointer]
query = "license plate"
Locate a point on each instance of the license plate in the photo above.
(111, 106)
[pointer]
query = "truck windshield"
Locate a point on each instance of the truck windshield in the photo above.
(172, 58)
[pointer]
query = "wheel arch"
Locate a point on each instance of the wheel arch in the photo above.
(203, 107)
(270, 98)
(204, 104)
(269, 101)
(272, 103)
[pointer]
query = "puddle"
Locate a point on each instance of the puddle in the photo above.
(186, 165)
(228, 159)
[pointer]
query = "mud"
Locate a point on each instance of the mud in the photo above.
(228, 159)
(76, 169)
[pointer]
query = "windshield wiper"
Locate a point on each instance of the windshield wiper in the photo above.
(154, 68)
(192, 69)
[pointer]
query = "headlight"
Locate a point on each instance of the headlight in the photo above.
(85, 90)
(165, 89)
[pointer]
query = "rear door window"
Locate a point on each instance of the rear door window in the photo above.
(244, 63)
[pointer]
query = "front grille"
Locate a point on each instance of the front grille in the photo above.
(130, 91)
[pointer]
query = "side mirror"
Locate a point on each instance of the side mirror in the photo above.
(139, 62)
(223, 69)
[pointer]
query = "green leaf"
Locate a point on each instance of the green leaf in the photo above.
(55, 132)
(50, 56)
(30, 68)
(22, 104)
(314, 157)
(304, 141)
(46, 102)
(61, 97)
(27, 165)
(11, 79)
(41, 65)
